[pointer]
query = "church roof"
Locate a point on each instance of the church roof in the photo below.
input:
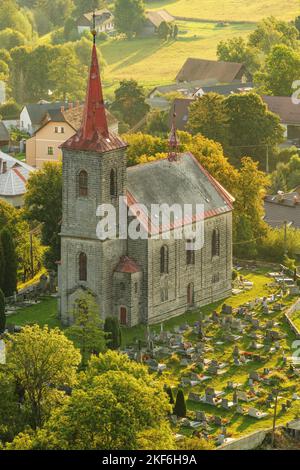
(127, 265)
(93, 134)
(183, 181)
(14, 178)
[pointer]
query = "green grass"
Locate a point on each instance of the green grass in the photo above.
(229, 10)
(44, 313)
(152, 61)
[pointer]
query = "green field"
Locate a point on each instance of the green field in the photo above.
(229, 10)
(152, 61)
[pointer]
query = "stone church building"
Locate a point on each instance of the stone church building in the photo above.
(144, 280)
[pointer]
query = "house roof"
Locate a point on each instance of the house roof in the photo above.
(158, 16)
(37, 111)
(190, 88)
(4, 134)
(127, 265)
(202, 69)
(73, 116)
(288, 112)
(98, 13)
(183, 181)
(13, 181)
(283, 207)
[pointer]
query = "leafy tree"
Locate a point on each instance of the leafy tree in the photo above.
(43, 204)
(5, 56)
(4, 71)
(237, 50)
(87, 332)
(9, 284)
(68, 76)
(175, 31)
(112, 410)
(15, 19)
(157, 123)
(129, 16)
(12, 416)
(143, 144)
(207, 116)
(130, 102)
(195, 443)
(297, 23)
(2, 312)
(281, 69)
(84, 6)
(113, 330)
(180, 406)
(10, 39)
(10, 110)
(2, 265)
(271, 32)
(42, 362)
(250, 124)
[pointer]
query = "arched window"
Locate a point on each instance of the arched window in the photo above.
(83, 183)
(190, 294)
(164, 260)
(113, 182)
(215, 243)
(190, 252)
(82, 267)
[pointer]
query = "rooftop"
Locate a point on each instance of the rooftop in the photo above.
(14, 176)
(203, 69)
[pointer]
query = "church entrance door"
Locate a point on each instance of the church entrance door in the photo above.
(123, 315)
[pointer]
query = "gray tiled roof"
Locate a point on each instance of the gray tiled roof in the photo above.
(178, 182)
(13, 181)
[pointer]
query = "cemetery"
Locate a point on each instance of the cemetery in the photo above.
(234, 360)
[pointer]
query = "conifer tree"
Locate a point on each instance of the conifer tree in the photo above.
(2, 312)
(9, 283)
(113, 330)
(170, 395)
(180, 406)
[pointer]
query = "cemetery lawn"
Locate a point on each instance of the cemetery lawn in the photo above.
(43, 313)
(152, 61)
(226, 10)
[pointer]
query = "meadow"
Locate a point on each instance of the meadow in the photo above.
(153, 61)
(228, 10)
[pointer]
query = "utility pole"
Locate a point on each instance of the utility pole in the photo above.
(267, 159)
(274, 417)
(285, 237)
(31, 256)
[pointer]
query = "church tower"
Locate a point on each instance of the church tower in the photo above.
(94, 173)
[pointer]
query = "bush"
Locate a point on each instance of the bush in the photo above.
(102, 36)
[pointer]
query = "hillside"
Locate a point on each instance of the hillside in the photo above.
(233, 10)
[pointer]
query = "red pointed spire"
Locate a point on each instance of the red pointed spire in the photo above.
(94, 117)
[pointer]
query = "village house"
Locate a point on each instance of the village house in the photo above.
(57, 125)
(149, 279)
(104, 21)
(289, 114)
(154, 20)
(31, 115)
(283, 207)
(212, 72)
(4, 136)
(13, 178)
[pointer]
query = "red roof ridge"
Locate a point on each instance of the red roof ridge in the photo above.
(127, 265)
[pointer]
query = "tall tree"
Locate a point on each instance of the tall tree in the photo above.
(68, 76)
(282, 68)
(2, 312)
(9, 284)
(271, 32)
(130, 102)
(42, 361)
(113, 330)
(129, 16)
(87, 331)
(237, 50)
(85, 6)
(252, 129)
(43, 204)
(207, 116)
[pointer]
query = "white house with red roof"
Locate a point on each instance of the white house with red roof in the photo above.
(151, 278)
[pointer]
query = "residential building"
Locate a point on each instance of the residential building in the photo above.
(104, 21)
(56, 126)
(289, 114)
(283, 207)
(32, 114)
(154, 20)
(13, 178)
(212, 72)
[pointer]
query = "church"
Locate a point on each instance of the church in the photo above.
(146, 280)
